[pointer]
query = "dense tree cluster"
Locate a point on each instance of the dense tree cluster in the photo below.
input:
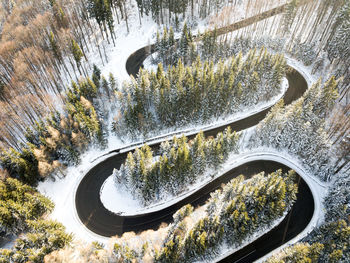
(338, 44)
(231, 215)
(315, 32)
(21, 212)
(101, 10)
(178, 164)
(35, 39)
(19, 204)
(44, 44)
(169, 50)
(300, 252)
(337, 202)
(197, 94)
(44, 237)
(188, 47)
(338, 47)
(209, 46)
(328, 243)
(300, 128)
(58, 140)
(304, 52)
(164, 11)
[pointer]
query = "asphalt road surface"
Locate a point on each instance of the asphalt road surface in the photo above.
(103, 222)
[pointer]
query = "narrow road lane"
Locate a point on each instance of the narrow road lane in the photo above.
(103, 222)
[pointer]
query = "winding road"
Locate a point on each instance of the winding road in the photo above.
(101, 221)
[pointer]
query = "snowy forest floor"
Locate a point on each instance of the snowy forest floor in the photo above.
(62, 191)
(110, 192)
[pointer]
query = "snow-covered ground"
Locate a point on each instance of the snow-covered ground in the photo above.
(62, 191)
(126, 44)
(109, 191)
(118, 200)
(226, 250)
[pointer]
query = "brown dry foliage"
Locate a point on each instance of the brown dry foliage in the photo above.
(28, 66)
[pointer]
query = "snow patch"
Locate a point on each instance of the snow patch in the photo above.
(110, 192)
(118, 200)
(227, 250)
(62, 193)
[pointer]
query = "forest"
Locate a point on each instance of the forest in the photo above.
(62, 98)
(197, 94)
(230, 215)
(180, 164)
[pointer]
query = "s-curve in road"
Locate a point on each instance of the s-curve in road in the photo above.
(101, 221)
(98, 219)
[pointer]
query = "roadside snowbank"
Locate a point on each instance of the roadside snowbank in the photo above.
(62, 193)
(118, 200)
(109, 196)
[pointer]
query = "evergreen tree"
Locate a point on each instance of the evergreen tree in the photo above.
(45, 237)
(54, 47)
(77, 53)
(180, 163)
(20, 203)
(96, 76)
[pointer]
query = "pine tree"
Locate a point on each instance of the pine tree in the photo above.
(77, 53)
(54, 47)
(19, 203)
(112, 82)
(96, 76)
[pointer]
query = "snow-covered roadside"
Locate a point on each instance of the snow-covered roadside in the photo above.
(109, 195)
(126, 44)
(225, 250)
(194, 129)
(62, 193)
(118, 200)
(305, 71)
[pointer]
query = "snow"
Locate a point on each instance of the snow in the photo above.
(226, 250)
(305, 71)
(114, 57)
(62, 191)
(148, 62)
(126, 44)
(117, 200)
(108, 194)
